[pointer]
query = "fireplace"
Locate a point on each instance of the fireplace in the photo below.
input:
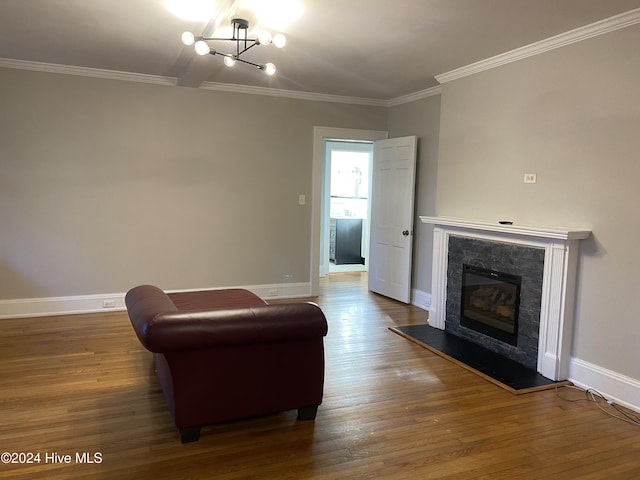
(490, 302)
(547, 292)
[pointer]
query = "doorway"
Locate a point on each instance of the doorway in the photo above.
(344, 230)
(319, 135)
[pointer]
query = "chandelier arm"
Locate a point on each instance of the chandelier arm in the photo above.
(247, 48)
(227, 39)
(239, 52)
(257, 65)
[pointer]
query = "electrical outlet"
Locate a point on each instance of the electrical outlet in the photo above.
(302, 199)
(109, 304)
(273, 292)
(530, 178)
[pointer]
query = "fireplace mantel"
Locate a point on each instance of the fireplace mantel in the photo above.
(513, 229)
(558, 289)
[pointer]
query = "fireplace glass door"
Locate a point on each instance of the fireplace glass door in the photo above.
(490, 303)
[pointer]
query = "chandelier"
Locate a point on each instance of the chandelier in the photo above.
(242, 45)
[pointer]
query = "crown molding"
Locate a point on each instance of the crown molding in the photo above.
(274, 92)
(412, 97)
(601, 27)
(86, 71)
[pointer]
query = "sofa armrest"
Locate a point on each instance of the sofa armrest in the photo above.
(188, 330)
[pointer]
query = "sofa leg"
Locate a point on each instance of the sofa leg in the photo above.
(188, 435)
(307, 413)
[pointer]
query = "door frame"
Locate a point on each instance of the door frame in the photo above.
(319, 135)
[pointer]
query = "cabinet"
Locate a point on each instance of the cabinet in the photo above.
(345, 240)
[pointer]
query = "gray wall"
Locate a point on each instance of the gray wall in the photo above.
(572, 116)
(106, 184)
(421, 118)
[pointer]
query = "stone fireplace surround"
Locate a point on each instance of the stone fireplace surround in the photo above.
(560, 246)
(526, 262)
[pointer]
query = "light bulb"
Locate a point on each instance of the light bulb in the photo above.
(269, 68)
(229, 60)
(188, 38)
(202, 48)
(279, 40)
(264, 37)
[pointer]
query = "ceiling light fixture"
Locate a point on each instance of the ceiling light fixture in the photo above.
(243, 44)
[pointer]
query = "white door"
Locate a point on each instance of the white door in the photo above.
(391, 245)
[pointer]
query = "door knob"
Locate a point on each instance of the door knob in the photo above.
(405, 233)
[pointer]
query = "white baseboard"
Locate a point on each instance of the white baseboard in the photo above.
(281, 290)
(421, 299)
(614, 386)
(42, 307)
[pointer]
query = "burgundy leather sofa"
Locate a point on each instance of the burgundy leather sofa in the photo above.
(223, 355)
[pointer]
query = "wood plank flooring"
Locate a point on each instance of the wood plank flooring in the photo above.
(84, 385)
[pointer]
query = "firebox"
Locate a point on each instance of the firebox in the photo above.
(490, 303)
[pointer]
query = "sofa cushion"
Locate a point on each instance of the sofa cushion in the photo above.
(212, 299)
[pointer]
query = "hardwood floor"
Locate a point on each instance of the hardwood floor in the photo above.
(84, 385)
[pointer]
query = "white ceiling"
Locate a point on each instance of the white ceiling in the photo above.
(378, 49)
